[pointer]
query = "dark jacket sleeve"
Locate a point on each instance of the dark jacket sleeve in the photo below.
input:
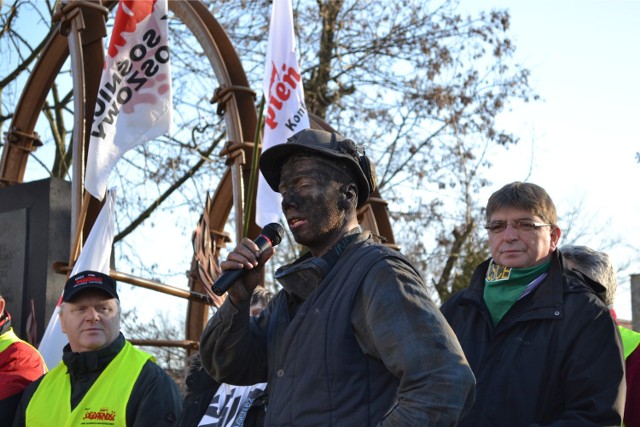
(233, 345)
(155, 400)
(396, 322)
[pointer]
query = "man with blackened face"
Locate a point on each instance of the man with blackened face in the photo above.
(316, 198)
(352, 338)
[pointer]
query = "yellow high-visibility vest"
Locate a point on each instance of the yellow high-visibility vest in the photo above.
(105, 403)
(630, 340)
(9, 338)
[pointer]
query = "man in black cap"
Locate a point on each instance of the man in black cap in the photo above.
(353, 338)
(102, 378)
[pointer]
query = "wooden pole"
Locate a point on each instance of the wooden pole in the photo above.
(77, 236)
(77, 181)
(253, 177)
(160, 287)
(62, 268)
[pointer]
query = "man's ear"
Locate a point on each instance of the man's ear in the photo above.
(555, 238)
(349, 196)
(62, 321)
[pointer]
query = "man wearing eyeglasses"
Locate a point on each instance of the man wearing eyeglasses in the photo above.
(544, 348)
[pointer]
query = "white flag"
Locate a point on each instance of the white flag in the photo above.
(285, 111)
(96, 256)
(134, 99)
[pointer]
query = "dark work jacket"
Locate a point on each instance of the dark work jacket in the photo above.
(366, 348)
(155, 398)
(555, 358)
(342, 385)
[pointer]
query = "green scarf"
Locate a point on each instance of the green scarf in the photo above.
(504, 285)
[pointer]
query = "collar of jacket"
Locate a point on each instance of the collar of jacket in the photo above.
(302, 277)
(544, 302)
(88, 362)
(5, 322)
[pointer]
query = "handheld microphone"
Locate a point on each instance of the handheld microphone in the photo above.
(271, 235)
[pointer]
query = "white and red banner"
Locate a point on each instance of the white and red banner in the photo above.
(285, 111)
(134, 99)
(96, 256)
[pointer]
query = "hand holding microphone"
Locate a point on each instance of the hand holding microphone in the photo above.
(271, 235)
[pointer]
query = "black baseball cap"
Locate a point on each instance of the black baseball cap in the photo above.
(325, 144)
(89, 280)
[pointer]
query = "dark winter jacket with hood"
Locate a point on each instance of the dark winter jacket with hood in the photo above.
(555, 358)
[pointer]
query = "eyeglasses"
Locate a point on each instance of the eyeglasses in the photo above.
(518, 225)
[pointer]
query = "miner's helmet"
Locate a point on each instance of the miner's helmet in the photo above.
(330, 145)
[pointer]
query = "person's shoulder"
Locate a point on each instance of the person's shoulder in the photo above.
(582, 298)
(21, 347)
(20, 355)
(386, 259)
(382, 252)
(387, 275)
(153, 378)
(628, 331)
(152, 369)
(576, 281)
(368, 253)
(454, 298)
(469, 296)
(581, 286)
(155, 394)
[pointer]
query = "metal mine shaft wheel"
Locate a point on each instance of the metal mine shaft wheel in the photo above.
(81, 29)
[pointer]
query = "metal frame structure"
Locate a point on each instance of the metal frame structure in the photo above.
(80, 33)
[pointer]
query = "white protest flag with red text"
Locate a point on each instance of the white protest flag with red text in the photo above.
(96, 256)
(134, 99)
(286, 113)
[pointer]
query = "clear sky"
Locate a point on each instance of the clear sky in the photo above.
(580, 141)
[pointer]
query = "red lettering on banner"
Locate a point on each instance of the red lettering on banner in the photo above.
(291, 75)
(282, 92)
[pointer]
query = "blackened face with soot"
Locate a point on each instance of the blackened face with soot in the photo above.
(319, 201)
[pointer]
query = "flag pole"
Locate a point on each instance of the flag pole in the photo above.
(253, 177)
(82, 216)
